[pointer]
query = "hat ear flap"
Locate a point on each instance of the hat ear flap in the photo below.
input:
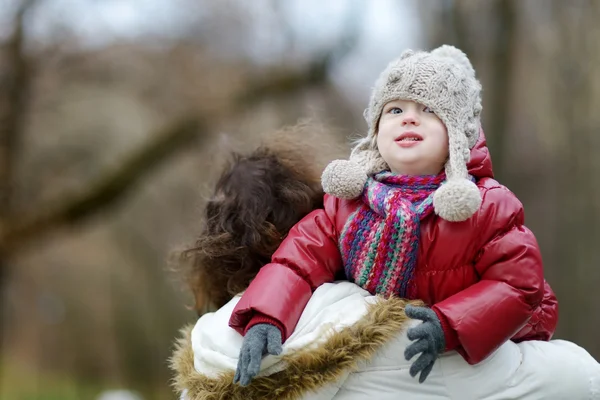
(458, 198)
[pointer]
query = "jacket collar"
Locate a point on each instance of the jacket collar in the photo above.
(307, 370)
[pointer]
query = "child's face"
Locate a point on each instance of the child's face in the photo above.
(412, 139)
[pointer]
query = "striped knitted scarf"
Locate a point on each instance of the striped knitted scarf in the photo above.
(380, 240)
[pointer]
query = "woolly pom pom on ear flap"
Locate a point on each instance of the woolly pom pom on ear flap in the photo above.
(457, 200)
(344, 179)
(457, 55)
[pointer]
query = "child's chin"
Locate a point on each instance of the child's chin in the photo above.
(409, 158)
(405, 165)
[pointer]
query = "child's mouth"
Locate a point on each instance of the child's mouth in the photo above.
(408, 139)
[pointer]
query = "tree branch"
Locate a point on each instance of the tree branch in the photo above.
(18, 230)
(15, 88)
(107, 191)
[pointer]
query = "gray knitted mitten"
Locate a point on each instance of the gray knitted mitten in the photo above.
(428, 339)
(259, 340)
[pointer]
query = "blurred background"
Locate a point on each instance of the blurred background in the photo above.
(116, 114)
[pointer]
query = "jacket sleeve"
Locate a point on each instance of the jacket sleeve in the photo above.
(307, 258)
(480, 318)
(543, 322)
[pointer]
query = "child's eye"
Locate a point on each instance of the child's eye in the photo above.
(395, 110)
(428, 110)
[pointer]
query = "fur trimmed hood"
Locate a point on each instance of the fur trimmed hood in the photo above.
(306, 369)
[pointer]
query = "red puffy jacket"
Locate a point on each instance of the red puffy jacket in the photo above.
(483, 277)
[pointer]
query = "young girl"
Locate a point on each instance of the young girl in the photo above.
(415, 213)
(348, 344)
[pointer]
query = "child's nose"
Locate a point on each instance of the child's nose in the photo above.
(410, 118)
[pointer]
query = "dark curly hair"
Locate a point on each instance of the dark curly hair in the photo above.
(256, 201)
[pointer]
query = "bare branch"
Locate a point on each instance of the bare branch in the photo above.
(108, 191)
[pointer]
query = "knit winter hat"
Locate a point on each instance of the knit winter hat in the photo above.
(443, 80)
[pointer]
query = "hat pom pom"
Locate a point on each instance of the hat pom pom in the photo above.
(457, 200)
(344, 179)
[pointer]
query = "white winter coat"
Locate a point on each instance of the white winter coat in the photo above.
(349, 345)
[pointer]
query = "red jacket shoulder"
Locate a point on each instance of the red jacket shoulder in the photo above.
(500, 209)
(339, 210)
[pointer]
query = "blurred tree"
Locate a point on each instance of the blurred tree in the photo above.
(120, 321)
(15, 87)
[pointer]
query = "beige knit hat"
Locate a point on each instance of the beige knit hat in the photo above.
(443, 80)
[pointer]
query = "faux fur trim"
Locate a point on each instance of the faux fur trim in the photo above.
(307, 370)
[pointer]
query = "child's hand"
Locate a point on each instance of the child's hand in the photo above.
(259, 340)
(428, 339)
